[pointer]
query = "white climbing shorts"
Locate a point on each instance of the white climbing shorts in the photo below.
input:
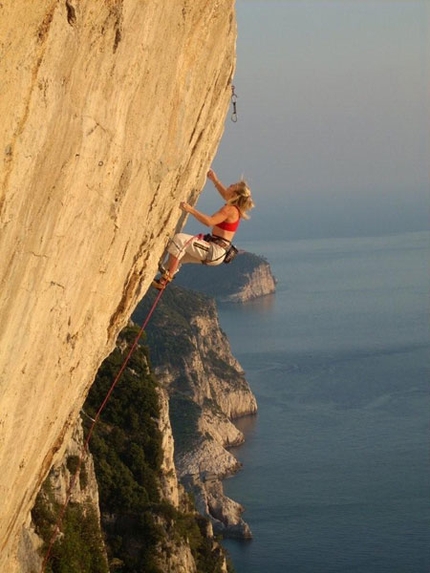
(195, 249)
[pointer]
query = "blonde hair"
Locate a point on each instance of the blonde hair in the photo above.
(242, 199)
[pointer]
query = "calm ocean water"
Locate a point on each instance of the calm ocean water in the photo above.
(335, 472)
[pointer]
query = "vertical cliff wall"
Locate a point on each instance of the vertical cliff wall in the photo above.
(207, 388)
(83, 510)
(111, 114)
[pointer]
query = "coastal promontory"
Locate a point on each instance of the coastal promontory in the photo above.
(247, 277)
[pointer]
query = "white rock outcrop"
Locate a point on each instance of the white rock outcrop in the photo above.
(257, 282)
(112, 112)
(169, 479)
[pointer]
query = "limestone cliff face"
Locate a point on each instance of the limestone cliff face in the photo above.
(54, 493)
(169, 480)
(111, 114)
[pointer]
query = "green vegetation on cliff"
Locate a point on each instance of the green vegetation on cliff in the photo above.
(141, 529)
(140, 526)
(80, 547)
(126, 443)
(170, 325)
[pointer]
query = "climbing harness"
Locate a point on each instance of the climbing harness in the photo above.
(230, 250)
(234, 102)
(85, 450)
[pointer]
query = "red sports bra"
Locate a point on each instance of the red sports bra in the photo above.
(230, 226)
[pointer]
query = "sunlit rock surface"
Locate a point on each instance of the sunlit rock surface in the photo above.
(111, 115)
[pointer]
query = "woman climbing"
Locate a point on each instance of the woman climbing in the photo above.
(212, 248)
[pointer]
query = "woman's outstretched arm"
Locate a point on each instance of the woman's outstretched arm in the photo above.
(212, 176)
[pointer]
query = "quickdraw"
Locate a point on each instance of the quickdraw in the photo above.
(234, 102)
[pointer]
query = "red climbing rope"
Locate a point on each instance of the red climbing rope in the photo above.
(91, 431)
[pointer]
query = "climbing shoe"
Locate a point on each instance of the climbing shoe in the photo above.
(162, 281)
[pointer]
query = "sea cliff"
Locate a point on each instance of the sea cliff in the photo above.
(207, 390)
(112, 113)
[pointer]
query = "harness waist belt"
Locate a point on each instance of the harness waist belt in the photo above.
(225, 243)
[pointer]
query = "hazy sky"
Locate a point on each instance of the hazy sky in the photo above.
(333, 117)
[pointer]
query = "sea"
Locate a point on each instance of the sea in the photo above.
(335, 475)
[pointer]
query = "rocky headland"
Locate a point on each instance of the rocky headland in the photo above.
(249, 276)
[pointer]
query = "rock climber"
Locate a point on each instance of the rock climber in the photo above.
(209, 249)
